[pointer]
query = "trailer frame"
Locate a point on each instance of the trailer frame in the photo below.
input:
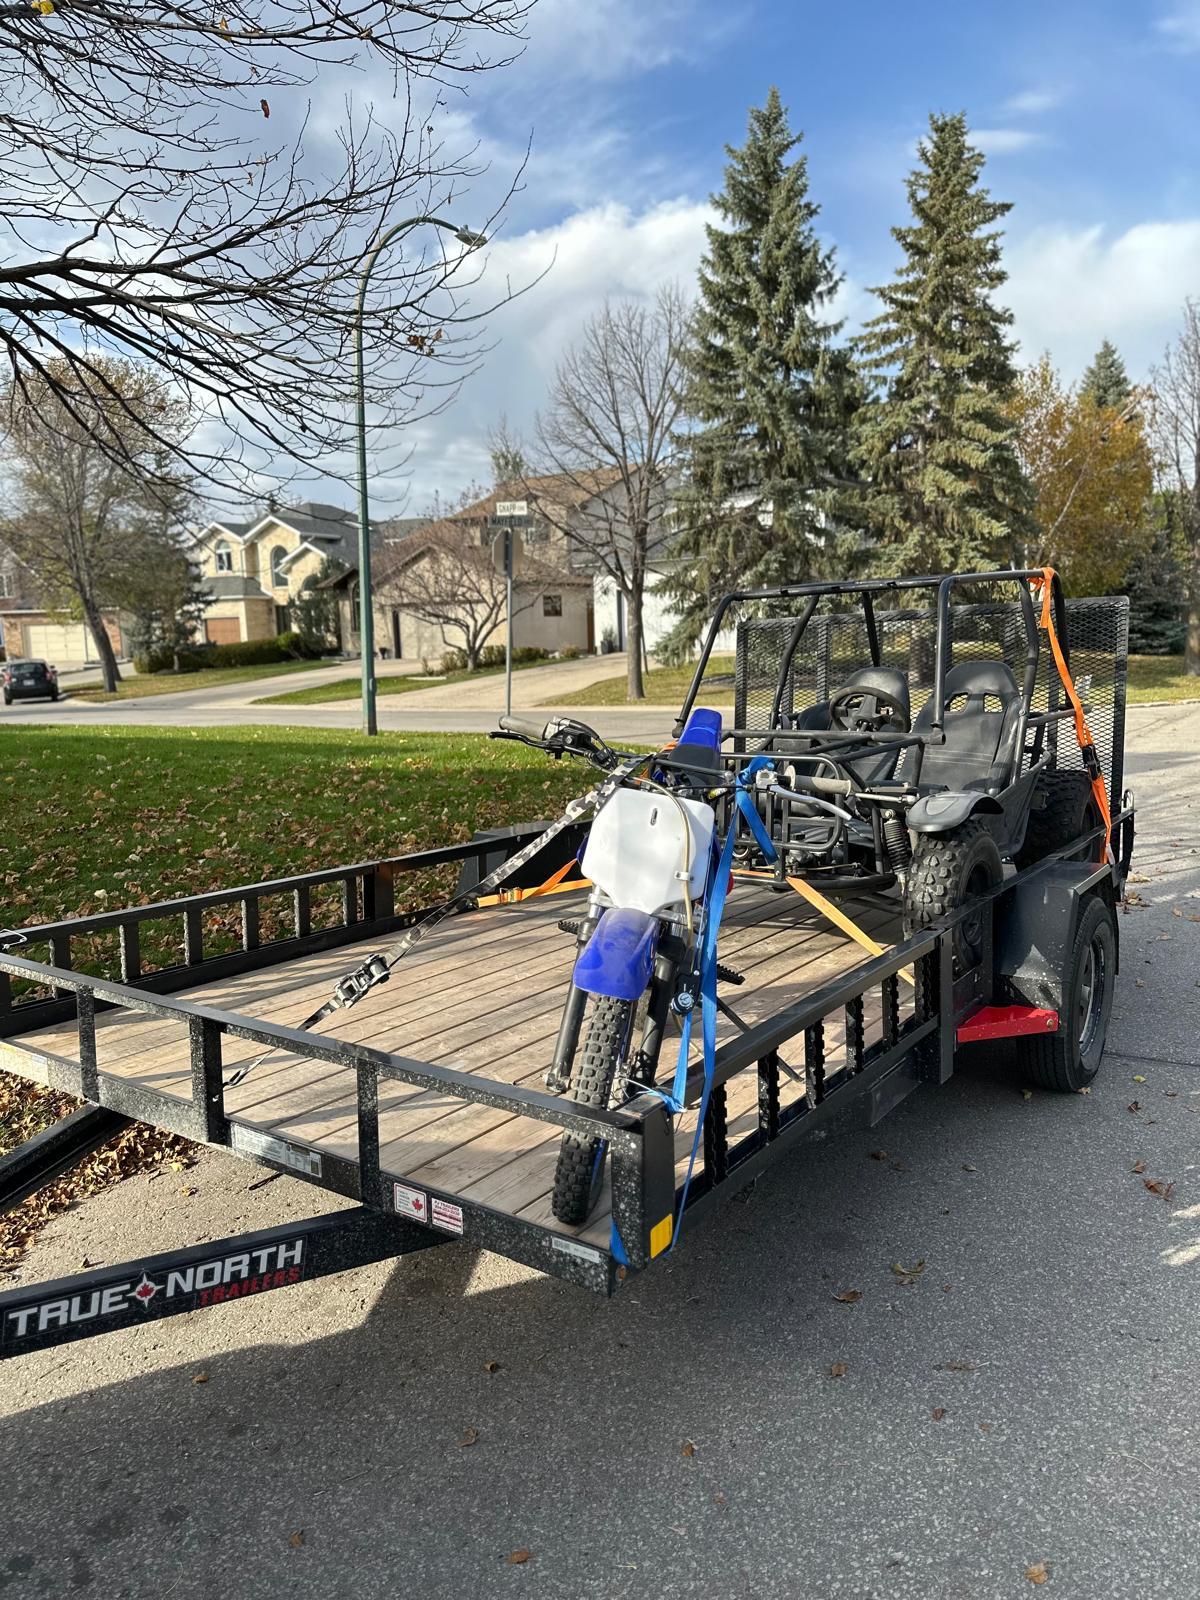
(875, 1078)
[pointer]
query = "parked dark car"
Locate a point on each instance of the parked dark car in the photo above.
(28, 680)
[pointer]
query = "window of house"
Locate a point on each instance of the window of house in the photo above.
(224, 555)
(8, 586)
(278, 575)
(536, 533)
(552, 605)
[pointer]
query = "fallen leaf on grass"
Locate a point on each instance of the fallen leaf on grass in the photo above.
(839, 1369)
(297, 1539)
(689, 1449)
(1138, 1166)
(847, 1297)
(199, 1377)
(1037, 1573)
(938, 1413)
(470, 1437)
(518, 1558)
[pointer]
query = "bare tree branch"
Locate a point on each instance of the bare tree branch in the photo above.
(605, 438)
(1176, 426)
(149, 208)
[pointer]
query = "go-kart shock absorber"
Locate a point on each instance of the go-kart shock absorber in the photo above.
(896, 842)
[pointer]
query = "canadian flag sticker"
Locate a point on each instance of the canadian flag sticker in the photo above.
(411, 1203)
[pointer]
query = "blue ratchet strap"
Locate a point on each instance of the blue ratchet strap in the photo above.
(675, 1099)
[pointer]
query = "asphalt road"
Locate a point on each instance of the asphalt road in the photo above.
(1030, 1398)
(471, 707)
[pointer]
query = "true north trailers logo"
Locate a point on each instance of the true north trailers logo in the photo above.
(207, 1283)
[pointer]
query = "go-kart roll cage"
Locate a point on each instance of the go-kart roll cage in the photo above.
(866, 589)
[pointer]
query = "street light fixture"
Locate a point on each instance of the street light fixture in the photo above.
(366, 615)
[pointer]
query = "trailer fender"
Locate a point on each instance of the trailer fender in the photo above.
(1035, 925)
(619, 957)
(938, 813)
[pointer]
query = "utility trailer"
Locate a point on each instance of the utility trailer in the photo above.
(424, 1104)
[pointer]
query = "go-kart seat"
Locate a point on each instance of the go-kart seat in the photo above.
(872, 698)
(980, 743)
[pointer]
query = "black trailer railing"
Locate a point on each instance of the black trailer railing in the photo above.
(366, 907)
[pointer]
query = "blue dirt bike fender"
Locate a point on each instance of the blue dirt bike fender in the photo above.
(619, 957)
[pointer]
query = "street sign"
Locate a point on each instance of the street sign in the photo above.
(506, 551)
(512, 508)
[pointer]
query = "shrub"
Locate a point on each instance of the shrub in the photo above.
(246, 653)
(526, 653)
(454, 661)
(570, 652)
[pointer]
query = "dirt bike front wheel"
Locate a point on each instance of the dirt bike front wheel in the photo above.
(580, 1171)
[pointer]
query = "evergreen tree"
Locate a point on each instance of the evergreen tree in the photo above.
(1155, 585)
(765, 390)
(1106, 383)
(946, 491)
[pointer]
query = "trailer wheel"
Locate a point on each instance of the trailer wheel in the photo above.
(1064, 807)
(1068, 1060)
(948, 871)
(580, 1169)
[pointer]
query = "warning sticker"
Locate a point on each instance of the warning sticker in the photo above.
(250, 1142)
(444, 1215)
(572, 1247)
(411, 1203)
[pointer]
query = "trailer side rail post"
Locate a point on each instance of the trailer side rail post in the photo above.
(370, 1175)
(208, 1086)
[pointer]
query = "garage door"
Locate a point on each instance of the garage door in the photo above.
(223, 630)
(48, 642)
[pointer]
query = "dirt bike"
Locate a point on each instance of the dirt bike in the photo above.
(650, 856)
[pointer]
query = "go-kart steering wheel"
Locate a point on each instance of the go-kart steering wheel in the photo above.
(862, 710)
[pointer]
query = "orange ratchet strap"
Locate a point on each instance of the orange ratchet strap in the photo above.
(552, 885)
(1087, 745)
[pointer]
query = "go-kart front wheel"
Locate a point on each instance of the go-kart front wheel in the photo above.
(949, 871)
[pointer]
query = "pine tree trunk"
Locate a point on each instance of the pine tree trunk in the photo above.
(108, 659)
(635, 684)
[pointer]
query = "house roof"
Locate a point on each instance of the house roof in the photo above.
(232, 586)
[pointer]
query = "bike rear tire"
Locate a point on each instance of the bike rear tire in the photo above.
(579, 1173)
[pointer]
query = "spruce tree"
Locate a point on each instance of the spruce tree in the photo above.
(945, 488)
(766, 391)
(1106, 383)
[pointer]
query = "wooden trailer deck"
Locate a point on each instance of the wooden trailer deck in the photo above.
(483, 994)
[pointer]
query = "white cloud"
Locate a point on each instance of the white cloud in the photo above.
(608, 39)
(1003, 141)
(1032, 102)
(1182, 26)
(1072, 288)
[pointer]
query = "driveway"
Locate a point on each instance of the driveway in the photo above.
(1029, 1399)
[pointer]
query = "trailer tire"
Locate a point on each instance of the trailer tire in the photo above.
(948, 870)
(580, 1169)
(1068, 1060)
(1068, 810)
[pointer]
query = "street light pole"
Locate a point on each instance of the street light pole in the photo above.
(366, 612)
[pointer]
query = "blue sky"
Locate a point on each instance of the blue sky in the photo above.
(1089, 115)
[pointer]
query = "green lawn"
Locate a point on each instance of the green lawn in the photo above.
(1160, 678)
(665, 686)
(1150, 678)
(177, 682)
(344, 689)
(122, 816)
